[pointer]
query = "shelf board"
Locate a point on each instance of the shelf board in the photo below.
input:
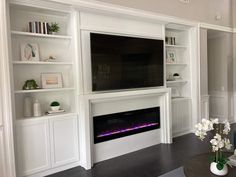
(46, 116)
(176, 64)
(44, 90)
(176, 82)
(40, 63)
(40, 35)
(176, 46)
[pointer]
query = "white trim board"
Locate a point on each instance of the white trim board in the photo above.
(217, 27)
(102, 7)
(8, 146)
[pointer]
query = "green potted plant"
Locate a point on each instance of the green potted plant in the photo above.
(54, 28)
(176, 76)
(55, 106)
(30, 85)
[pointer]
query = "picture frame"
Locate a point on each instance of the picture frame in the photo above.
(170, 56)
(51, 80)
(29, 51)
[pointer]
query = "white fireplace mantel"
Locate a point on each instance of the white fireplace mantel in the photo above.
(107, 103)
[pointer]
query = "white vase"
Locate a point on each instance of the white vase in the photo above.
(55, 108)
(37, 109)
(217, 172)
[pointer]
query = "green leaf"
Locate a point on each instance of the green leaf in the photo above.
(220, 166)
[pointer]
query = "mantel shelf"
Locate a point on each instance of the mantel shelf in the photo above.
(44, 90)
(40, 35)
(176, 46)
(40, 63)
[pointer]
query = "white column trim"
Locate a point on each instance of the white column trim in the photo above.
(6, 91)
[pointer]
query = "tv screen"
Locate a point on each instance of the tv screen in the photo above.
(120, 62)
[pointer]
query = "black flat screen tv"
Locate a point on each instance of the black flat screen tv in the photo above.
(120, 62)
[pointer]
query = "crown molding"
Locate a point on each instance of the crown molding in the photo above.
(216, 27)
(108, 8)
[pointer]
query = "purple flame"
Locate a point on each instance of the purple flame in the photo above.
(126, 130)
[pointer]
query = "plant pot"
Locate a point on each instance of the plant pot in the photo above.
(216, 171)
(55, 108)
(54, 33)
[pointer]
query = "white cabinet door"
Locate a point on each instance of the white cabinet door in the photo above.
(64, 140)
(33, 150)
(2, 168)
(181, 117)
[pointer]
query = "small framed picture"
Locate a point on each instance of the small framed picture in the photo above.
(29, 52)
(51, 80)
(170, 56)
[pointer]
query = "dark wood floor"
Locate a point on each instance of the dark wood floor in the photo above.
(149, 162)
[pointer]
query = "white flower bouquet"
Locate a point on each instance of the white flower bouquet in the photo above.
(219, 141)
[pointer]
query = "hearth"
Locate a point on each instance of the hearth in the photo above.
(112, 126)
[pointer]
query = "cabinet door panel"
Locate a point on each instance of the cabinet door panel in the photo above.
(64, 140)
(181, 117)
(33, 151)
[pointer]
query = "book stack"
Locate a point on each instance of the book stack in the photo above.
(38, 27)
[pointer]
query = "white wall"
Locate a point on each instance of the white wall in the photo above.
(220, 61)
(199, 10)
(220, 74)
(203, 62)
(234, 12)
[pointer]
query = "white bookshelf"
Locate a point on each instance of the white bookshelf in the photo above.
(181, 87)
(41, 63)
(177, 46)
(181, 65)
(61, 46)
(44, 90)
(21, 33)
(46, 128)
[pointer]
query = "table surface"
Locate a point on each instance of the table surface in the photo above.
(199, 166)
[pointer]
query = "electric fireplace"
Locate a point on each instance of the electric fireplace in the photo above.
(112, 126)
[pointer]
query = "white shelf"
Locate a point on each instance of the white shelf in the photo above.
(40, 35)
(176, 82)
(40, 63)
(176, 64)
(43, 90)
(176, 46)
(46, 116)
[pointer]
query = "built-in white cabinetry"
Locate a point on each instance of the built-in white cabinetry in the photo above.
(181, 117)
(178, 76)
(33, 150)
(64, 140)
(47, 143)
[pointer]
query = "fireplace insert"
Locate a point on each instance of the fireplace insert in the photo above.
(112, 126)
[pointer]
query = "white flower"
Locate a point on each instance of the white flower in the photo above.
(215, 121)
(217, 137)
(228, 145)
(226, 128)
(214, 142)
(215, 148)
(217, 142)
(221, 144)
